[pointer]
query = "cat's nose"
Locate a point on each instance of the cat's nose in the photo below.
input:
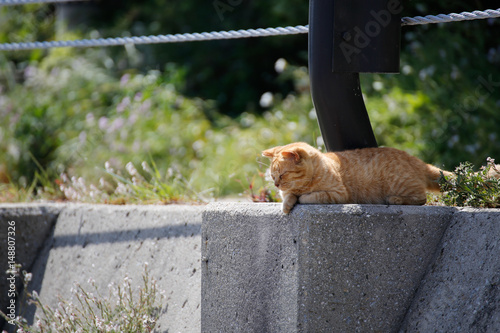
(277, 184)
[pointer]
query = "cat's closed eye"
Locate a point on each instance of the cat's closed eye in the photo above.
(282, 174)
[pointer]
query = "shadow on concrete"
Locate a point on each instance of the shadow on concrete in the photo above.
(120, 236)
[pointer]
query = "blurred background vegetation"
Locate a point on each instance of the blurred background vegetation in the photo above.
(205, 110)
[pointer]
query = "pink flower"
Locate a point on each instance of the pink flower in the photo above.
(124, 79)
(103, 123)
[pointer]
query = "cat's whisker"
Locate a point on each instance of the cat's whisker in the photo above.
(267, 165)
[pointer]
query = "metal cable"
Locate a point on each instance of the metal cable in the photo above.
(26, 2)
(219, 35)
(215, 35)
(453, 17)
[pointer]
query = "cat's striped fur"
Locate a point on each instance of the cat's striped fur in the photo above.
(364, 176)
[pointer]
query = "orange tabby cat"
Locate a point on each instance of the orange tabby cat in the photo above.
(365, 176)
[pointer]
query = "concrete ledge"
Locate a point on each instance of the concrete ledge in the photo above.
(347, 268)
(327, 268)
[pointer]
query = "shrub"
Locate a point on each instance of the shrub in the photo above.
(469, 188)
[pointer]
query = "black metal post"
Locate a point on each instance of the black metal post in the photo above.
(347, 37)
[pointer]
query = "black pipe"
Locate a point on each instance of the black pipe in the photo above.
(335, 86)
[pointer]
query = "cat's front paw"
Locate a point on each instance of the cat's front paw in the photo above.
(288, 202)
(286, 209)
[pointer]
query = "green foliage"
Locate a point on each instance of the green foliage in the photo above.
(443, 106)
(232, 73)
(123, 309)
(74, 110)
(27, 23)
(148, 186)
(469, 188)
(90, 118)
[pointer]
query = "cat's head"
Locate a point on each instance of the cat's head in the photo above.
(291, 165)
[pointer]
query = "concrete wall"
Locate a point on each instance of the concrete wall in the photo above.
(323, 268)
(106, 243)
(350, 268)
(335, 268)
(461, 290)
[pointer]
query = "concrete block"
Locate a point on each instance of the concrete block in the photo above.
(33, 225)
(107, 243)
(461, 291)
(323, 268)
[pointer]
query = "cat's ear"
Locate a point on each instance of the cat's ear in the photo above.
(269, 152)
(295, 154)
(291, 155)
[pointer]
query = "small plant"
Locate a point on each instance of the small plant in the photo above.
(469, 188)
(262, 193)
(136, 187)
(40, 188)
(123, 310)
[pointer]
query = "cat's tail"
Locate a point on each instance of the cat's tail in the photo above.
(433, 176)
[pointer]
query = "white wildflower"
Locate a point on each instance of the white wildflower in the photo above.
(131, 169)
(64, 178)
(121, 189)
(280, 65)
(28, 276)
(145, 167)
(108, 167)
(98, 323)
(266, 100)
(102, 182)
(170, 172)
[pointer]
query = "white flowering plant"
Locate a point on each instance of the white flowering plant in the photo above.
(125, 309)
(131, 186)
